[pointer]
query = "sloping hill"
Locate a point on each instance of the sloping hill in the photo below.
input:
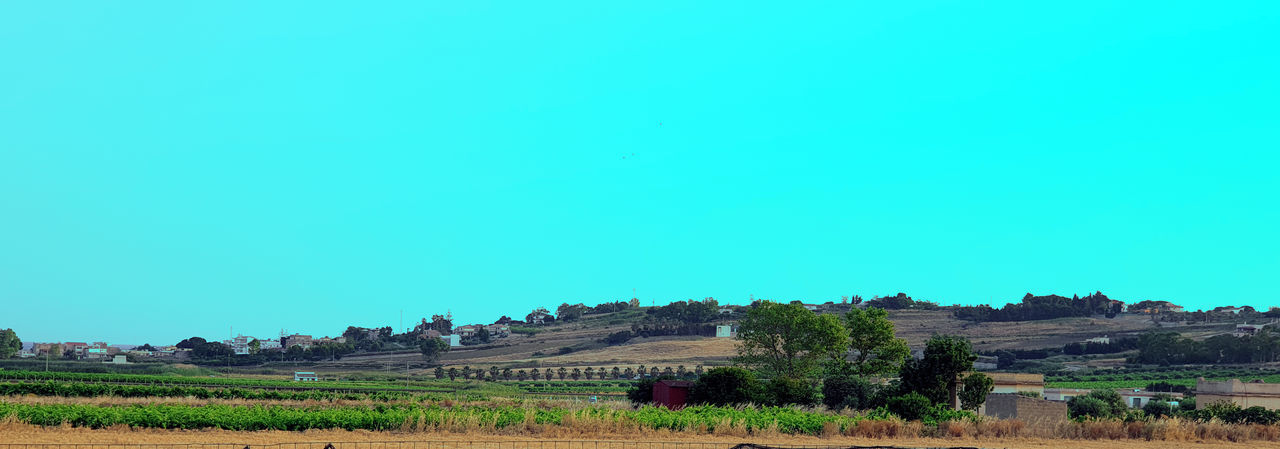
(577, 344)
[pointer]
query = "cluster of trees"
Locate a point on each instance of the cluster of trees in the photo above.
(791, 355)
(687, 312)
(647, 374)
(1043, 308)
(1170, 348)
(212, 352)
(9, 343)
(1116, 345)
(898, 302)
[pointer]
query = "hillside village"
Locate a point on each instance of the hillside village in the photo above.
(684, 332)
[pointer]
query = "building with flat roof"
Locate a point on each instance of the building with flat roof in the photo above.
(1244, 394)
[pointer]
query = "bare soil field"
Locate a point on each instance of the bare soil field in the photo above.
(24, 434)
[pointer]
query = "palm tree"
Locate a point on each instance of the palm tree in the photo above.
(521, 375)
(439, 372)
(506, 373)
(589, 372)
(453, 373)
(493, 372)
(561, 372)
(576, 373)
(617, 373)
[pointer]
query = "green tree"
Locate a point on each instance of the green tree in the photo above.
(1097, 404)
(433, 348)
(453, 373)
(570, 312)
(910, 406)
(493, 372)
(482, 335)
(726, 386)
(791, 390)
(976, 388)
(9, 343)
(841, 391)
(787, 340)
(255, 346)
(876, 351)
(1158, 409)
(439, 372)
(945, 358)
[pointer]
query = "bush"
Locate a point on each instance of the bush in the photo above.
(911, 406)
(845, 391)
(1157, 409)
(1097, 404)
(726, 386)
(787, 390)
(617, 338)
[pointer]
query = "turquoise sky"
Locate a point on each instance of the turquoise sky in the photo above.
(170, 169)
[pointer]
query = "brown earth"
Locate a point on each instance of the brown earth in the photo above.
(24, 434)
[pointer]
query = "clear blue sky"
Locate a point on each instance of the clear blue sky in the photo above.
(170, 169)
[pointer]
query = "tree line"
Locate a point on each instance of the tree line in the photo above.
(1043, 308)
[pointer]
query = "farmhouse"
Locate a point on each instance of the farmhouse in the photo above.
(1017, 383)
(304, 376)
(1244, 394)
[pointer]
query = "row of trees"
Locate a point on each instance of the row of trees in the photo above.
(1043, 308)
(898, 302)
(1171, 348)
(563, 373)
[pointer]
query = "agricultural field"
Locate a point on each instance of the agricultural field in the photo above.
(1141, 379)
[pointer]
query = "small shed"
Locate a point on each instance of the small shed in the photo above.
(671, 394)
(304, 376)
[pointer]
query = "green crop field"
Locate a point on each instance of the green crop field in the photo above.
(392, 417)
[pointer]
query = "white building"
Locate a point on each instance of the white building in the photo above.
(725, 331)
(268, 345)
(1103, 340)
(240, 344)
(453, 340)
(305, 376)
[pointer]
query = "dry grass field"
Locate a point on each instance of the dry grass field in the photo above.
(24, 434)
(916, 326)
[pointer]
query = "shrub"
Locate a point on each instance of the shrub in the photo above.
(1098, 404)
(911, 406)
(787, 390)
(1157, 409)
(845, 391)
(726, 386)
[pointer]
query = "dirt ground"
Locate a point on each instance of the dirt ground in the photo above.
(13, 433)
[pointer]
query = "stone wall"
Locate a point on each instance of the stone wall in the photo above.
(1033, 411)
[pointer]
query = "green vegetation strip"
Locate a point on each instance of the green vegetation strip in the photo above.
(217, 381)
(80, 389)
(389, 417)
(1141, 379)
